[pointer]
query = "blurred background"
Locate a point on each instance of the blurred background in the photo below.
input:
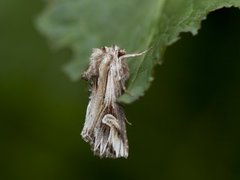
(186, 127)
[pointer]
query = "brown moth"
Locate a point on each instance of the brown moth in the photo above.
(104, 128)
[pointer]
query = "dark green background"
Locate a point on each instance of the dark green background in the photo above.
(186, 127)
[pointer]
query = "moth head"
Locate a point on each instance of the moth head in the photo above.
(120, 52)
(114, 49)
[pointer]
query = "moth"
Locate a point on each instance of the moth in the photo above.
(104, 128)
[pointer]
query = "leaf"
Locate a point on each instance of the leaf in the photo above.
(134, 25)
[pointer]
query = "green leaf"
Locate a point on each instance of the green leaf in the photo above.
(131, 24)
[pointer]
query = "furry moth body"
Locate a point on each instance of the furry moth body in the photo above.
(104, 128)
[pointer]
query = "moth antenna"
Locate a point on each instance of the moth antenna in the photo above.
(134, 54)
